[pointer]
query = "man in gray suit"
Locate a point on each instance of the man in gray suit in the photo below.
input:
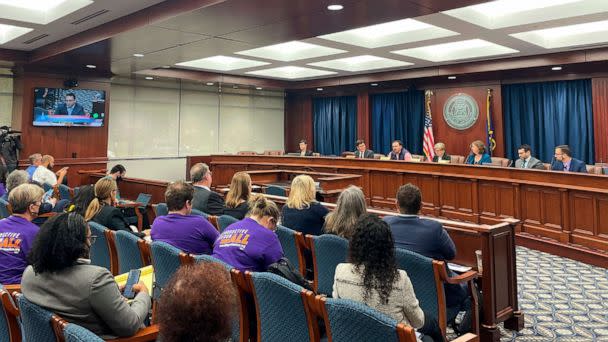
(362, 151)
(526, 161)
(204, 199)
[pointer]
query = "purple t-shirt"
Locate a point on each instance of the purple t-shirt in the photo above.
(248, 246)
(16, 238)
(190, 233)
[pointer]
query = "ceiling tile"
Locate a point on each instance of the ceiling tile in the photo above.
(291, 51)
(566, 36)
(360, 63)
(291, 72)
(466, 49)
(222, 63)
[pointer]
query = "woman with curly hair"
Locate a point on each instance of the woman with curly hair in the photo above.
(372, 276)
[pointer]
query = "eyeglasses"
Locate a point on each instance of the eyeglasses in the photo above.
(93, 238)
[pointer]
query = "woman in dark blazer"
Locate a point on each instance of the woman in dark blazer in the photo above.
(302, 212)
(440, 154)
(237, 199)
(478, 154)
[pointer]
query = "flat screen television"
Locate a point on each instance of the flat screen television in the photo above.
(69, 107)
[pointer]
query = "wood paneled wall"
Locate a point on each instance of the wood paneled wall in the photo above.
(600, 118)
(298, 124)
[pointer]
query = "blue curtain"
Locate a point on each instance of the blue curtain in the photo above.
(335, 124)
(548, 114)
(398, 116)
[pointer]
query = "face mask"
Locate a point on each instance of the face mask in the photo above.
(119, 178)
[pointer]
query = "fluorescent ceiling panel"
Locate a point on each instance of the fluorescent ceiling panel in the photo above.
(10, 32)
(291, 51)
(391, 33)
(291, 72)
(39, 11)
(466, 49)
(508, 13)
(360, 63)
(565, 36)
(222, 63)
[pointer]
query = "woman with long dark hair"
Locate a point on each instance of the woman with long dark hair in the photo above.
(372, 276)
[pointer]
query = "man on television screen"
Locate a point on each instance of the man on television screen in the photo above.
(70, 106)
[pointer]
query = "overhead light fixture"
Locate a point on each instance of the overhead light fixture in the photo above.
(40, 12)
(222, 63)
(556, 68)
(258, 88)
(335, 7)
(466, 49)
(166, 66)
(149, 78)
(209, 83)
(291, 72)
(566, 36)
(10, 32)
(374, 84)
(451, 77)
(235, 86)
(91, 66)
(291, 51)
(319, 89)
(139, 55)
(360, 63)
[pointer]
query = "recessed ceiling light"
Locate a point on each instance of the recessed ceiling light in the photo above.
(291, 51)
(149, 78)
(222, 63)
(91, 66)
(451, 77)
(556, 68)
(138, 55)
(319, 89)
(40, 12)
(10, 32)
(166, 66)
(466, 49)
(374, 84)
(565, 36)
(391, 33)
(291, 72)
(335, 7)
(209, 83)
(34, 5)
(235, 86)
(360, 63)
(258, 88)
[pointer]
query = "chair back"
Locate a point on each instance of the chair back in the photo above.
(455, 159)
(4, 213)
(100, 250)
(274, 152)
(166, 261)
(275, 190)
(10, 331)
(424, 281)
(224, 221)
(199, 213)
(127, 249)
(161, 209)
(378, 155)
(418, 158)
(279, 307)
(348, 154)
(504, 162)
(327, 252)
(76, 333)
(64, 192)
(594, 170)
(289, 242)
(35, 322)
(209, 258)
(352, 321)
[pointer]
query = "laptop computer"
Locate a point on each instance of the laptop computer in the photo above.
(144, 199)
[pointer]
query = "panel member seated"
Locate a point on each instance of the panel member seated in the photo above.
(189, 233)
(237, 197)
(526, 161)
(362, 151)
(204, 199)
(70, 106)
(564, 162)
(478, 154)
(440, 155)
(304, 152)
(398, 152)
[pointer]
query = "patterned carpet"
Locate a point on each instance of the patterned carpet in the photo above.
(562, 299)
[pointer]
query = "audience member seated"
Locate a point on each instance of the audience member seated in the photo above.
(302, 212)
(17, 232)
(102, 210)
(51, 204)
(425, 237)
(44, 175)
(478, 154)
(205, 200)
(237, 198)
(13, 180)
(62, 280)
(398, 152)
(81, 201)
(526, 161)
(251, 244)
(3, 175)
(190, 233)
(372, 277)
(35, 161)
(440, 155)
(350, 205)
(362, 151)
(304, 152)
(564, 162)
(198, 304)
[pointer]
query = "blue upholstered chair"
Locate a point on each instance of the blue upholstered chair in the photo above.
(35, 322)
(327, 252)
(166, 260)
(10, 330)
(4, 209)
(275, 190)
(76, 333)
(290, 240)
(279, 308)
(128, 252)
(209, 258)
(64, 192)
(352, 321)
(427, 277)
(161, 209)
(199, 213)
(100, 250)
(224, 221)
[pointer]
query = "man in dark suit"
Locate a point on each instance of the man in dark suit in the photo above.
(362, 151)
(440, 155)
(304, 152)
(426, 237)
(204, 199)
(526, 161)
(70, 106)
(564, 162)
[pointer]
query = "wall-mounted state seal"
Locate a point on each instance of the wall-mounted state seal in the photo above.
(460, 111)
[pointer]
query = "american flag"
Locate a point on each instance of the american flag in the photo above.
(428, 143)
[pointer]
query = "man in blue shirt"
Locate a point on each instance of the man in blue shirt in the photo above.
(564, 162)
(35, 161)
